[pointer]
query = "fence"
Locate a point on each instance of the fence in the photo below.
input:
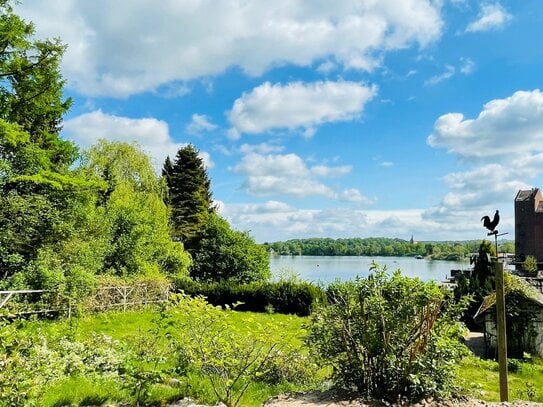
(124, 297)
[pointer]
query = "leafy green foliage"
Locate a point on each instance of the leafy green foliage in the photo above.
(389, 336)
(31, 86)
(529, 265)
(285, 297)
(477, 283)
(380, 246)
(223, 254)
(231, 359)
(137, 227)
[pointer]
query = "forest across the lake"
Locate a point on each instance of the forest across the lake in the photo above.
(382, 246)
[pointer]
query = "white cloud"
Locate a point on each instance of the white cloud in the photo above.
(279, 174)
(324, 171)
(298, 105)
(125, 47)
(354, 195)
(386, 164)
(491, 16)
(151, 134)
(200, 123)
(448, 73)
(288, 174)
(274, 220)
(504, 144)
(505, 127)
(327, 67)
(467, 66)
(262, 148)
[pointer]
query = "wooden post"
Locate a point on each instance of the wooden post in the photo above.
(502, 338)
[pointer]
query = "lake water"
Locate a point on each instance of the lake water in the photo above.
(329, 268)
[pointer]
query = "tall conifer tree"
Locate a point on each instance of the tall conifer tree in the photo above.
(189, 194)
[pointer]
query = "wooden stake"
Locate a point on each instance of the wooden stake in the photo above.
(502, 338)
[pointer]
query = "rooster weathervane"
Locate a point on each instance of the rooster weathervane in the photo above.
(491, 225)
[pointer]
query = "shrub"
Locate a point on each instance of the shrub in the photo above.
(389, 337)
(230, 358)
(283, 297)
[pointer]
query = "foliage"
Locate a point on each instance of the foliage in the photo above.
(389, 336)
(529, 265)
(224, 254)
(189, 194)
(28, 361)
(229, 358)
(31, 86)
(144, 360)
(285, 297)
(477, 283)
(379, 246)
(137, 218)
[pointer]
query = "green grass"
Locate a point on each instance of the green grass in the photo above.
(480, 379)
(127, 326)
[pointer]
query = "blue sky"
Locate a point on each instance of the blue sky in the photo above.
(319, 118)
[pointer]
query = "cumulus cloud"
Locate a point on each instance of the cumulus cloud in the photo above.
(325, 171)
(288, 174)
(275, 220)
(200, 123)
(298, 105)
(491, 16)
(151, 134)
(504, 145)
(277, 174)
(115, 53)
(505, 127)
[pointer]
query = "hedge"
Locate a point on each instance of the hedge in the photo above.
(283, 297)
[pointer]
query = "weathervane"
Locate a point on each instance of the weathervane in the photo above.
(491, 225)
(500, 306)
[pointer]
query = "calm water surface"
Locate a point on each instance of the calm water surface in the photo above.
(329, 268)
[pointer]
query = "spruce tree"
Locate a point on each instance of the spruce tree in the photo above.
(189, 195)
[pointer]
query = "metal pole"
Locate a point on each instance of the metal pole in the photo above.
(502, 338)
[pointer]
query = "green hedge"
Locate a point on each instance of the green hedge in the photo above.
(283, 297)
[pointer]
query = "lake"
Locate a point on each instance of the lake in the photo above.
(329, 268)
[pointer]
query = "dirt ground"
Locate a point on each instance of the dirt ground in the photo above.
(331, 399)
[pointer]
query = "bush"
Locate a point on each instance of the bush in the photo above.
(283, 297)
(389, 337)
(230, 358)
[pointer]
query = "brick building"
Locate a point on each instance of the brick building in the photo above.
(529, 224)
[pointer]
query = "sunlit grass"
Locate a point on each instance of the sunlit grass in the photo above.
(285, 330)
(480, 379)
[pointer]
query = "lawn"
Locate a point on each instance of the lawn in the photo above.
(129, 327)
(478, 378)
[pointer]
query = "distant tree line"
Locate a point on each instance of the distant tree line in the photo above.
(380, 246)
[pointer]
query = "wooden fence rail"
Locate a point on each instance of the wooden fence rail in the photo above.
(5, 296)
(110, 297)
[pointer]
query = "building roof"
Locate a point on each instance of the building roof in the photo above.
(513, 285)
(526, 194)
